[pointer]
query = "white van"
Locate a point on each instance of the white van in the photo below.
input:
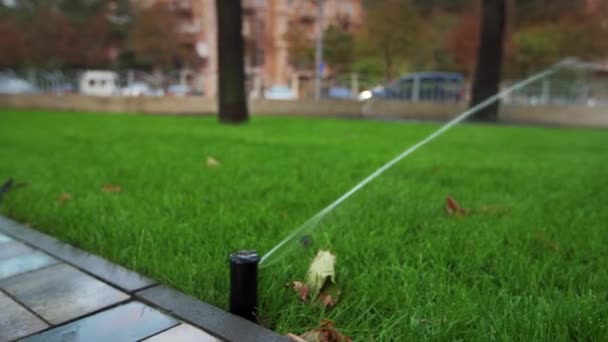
(99, 83)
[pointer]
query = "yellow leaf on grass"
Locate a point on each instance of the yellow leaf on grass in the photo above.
(64, 197)
(320, 287)
(325, 332)
(321, 270)
(111, 188)
(212, 162)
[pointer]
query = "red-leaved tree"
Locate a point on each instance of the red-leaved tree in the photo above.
(12, 44)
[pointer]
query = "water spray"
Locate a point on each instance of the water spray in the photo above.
(244, 264)
(317, 217)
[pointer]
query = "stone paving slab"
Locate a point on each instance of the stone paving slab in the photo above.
(61, 293)
(13, 248)
(129, 322)
(214, 320)
(16, 321)
(4, 238)
(24, 263)
(182, 333)
(6, 222)
(111, 273)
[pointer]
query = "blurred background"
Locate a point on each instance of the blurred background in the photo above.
(418, 50)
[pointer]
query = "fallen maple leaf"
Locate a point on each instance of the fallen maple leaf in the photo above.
(64, 197)
(212, 162)
(301, 289)
(321, 270)
(320, 286)
(453, 208)
(329, 294)
(111, 188)
(324, 333)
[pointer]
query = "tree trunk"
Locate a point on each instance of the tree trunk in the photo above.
(231, 85)
(489, 59)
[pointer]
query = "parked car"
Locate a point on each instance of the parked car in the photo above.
(339, 93)
(280, 92)
(14, 85)
(99, 83)
(61, 89)
(179, 90)
(140, 89)
(421, 86)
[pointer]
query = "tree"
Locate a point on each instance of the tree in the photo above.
(432, 53)
(489, 59)
(57, 33)
(427, 6)
(299, 47)
(231, 85)
(153, 37)
(546, 32)
(537, 47)
(12, 43)
(390, 32)
(339, 48)
(462, 42)
(50, 38)
(543, 11)
(80, 11)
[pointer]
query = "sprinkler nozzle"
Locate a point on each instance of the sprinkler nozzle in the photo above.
(244, 284)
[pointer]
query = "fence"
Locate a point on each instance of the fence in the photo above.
(70, 81)
(582, 88)
(570, 87)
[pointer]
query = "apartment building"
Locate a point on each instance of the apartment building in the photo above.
(265, 23)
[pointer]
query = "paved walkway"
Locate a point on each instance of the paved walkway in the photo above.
(44, 299)
(50, 291)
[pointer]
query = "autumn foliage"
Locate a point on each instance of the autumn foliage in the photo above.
(463, 42)
(12, 43)
(396, 36)
(49, 36)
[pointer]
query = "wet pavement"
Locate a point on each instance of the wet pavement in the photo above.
(43, 298)
(129, 322)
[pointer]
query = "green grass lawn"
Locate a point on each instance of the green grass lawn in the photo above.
(530, 263)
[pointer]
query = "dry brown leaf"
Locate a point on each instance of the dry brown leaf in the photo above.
(213, 163)
(301, 289)
(329, 295)
(64, 197)
(320, 287)
(324, 333)
(111, 188)
(453, 208)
